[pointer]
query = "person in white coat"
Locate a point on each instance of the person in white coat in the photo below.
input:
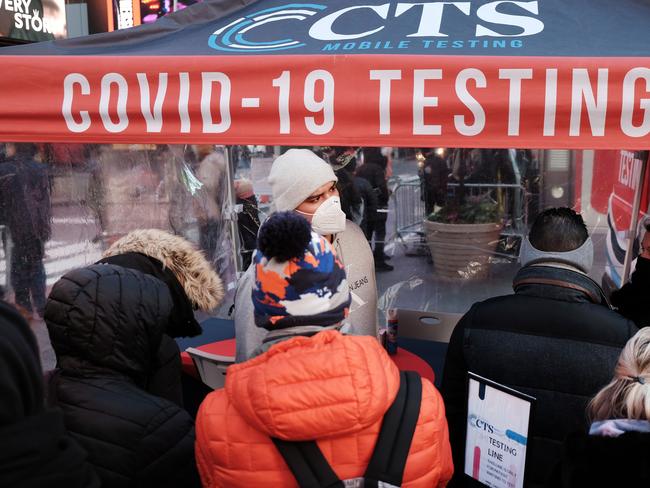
(302, 182)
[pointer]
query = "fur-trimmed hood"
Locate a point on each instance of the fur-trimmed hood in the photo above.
(202, 285)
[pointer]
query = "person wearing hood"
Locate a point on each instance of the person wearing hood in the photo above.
(35, 448)
(192, 283)
(106, 324)
(616, 450)
(555, 339)
(309, 382)
(631, 300)
(303, 183)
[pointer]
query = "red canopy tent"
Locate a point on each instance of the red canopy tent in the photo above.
(460, 74)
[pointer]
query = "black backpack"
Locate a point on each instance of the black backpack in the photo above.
(388, 460)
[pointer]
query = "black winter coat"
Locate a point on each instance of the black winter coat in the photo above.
(603, 462)
(35, 448)
(375, 174)
(106, 325)
(632, 299)
(554, 339)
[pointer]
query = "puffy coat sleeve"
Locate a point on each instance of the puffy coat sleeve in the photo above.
(166, 451)
(166, 380)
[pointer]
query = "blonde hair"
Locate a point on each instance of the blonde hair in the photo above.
(627, 396)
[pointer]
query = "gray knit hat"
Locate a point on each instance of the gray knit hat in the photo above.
(295, 176)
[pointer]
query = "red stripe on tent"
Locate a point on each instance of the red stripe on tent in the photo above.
(537, 102)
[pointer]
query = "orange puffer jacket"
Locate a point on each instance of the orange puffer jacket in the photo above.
(331, 388)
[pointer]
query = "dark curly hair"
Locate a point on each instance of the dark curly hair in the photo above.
(558, 230)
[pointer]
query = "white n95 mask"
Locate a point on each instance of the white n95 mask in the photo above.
(329, 218)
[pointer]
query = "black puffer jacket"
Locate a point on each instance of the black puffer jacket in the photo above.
(603, 462)
(632, 299)
(554, 339)
(106, 324)
(35, 448)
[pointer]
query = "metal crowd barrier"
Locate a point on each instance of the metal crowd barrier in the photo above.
(410, 213)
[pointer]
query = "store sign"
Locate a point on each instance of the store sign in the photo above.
(124, 14)
(33, 20)
(498, 420)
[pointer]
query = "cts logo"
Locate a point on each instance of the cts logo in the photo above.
(406, 20)
(231, 37)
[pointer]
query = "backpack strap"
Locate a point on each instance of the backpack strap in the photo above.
(394, 441)
(308, 465)
(311, 470)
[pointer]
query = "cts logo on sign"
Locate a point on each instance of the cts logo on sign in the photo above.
(429, 22)
(231, 36)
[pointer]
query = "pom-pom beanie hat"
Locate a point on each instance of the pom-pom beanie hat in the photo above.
(295, 176)
(298, 278)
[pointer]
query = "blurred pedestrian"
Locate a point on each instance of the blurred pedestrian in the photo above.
(248, 220)
(555, 339)
(312, 395)
(36, 450)
(373, 170)
(106, 324)
(26, 210)
(616, 450)
(304, 183)
(368, 198)
(211, 172)
(632, 299)
(434, 176)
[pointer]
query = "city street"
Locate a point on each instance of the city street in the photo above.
(71, 246)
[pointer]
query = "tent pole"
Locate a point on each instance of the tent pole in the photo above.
(632, 231)
(232, 210)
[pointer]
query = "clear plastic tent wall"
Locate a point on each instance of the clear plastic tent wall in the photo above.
(446, 253)
(485, 121)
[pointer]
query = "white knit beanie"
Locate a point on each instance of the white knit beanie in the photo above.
(295, 176)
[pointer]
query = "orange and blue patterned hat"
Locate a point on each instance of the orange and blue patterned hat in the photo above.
(298, 278)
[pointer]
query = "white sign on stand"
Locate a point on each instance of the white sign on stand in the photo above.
(498, 420)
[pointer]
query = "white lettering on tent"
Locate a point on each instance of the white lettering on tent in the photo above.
(514, 111)
(322, 29)
(596, 107)
(326, 105)
(470, 102)
(420, 102)
(627, 112)
(431, 17)
(283, 83)
(184, 101)
(209, 78)
(385, 77)
(529, 25)
(550, 102)
(154, 120)
(105, 99)
(69, 83)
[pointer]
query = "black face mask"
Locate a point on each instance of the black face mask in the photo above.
(181, 322)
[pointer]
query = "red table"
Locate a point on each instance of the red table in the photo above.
(405, 360)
